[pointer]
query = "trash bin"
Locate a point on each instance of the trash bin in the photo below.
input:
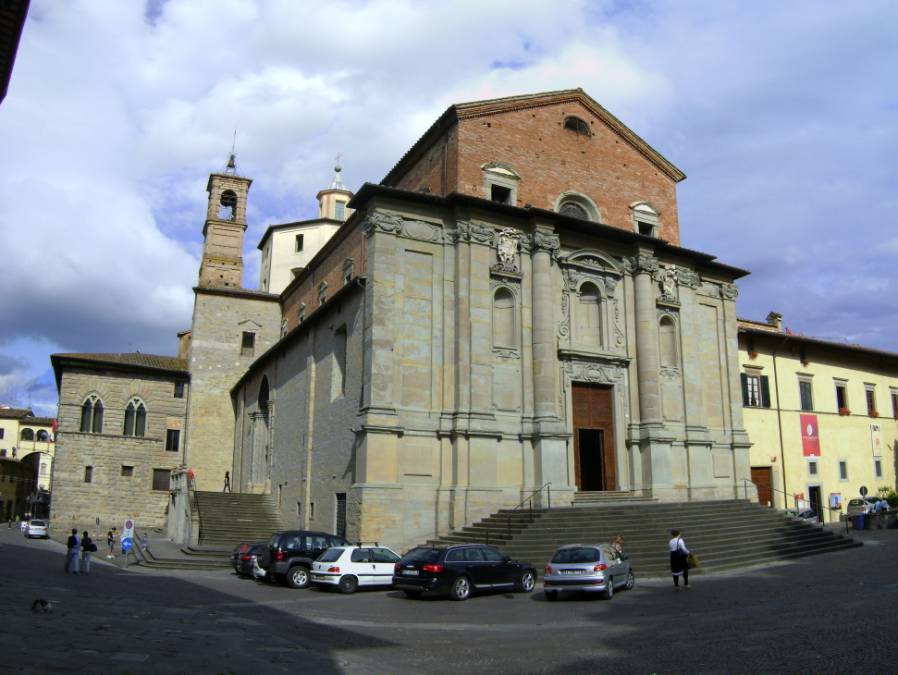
(859, 521)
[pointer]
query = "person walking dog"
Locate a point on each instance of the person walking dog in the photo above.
(679, 559)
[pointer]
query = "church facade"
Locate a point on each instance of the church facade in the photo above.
(507, 312)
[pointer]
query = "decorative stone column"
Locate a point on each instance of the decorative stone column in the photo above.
(545, 357)
(647, 357)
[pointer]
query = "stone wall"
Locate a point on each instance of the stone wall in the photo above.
(216, 364)
(111, 496)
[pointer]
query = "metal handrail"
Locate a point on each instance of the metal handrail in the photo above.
(529, 501)
(786, 495)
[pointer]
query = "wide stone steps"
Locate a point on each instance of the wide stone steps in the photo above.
(725, 534)
(227, 519)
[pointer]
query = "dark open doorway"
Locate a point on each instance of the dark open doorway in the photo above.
(594, 455)
(589, 450)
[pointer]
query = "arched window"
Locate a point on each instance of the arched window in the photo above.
(92, 415)
(577, 205)
(264, 395)
(135, 418)
(43, 436)
(27, 434)
(227, 209)
(503, 319)
(667, 331)
(577, 125)
(589, 321)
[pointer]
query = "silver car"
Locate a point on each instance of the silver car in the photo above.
(592, 568)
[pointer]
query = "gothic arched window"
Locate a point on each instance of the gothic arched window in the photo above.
(92, 415)
(589, 318)
(135, 418)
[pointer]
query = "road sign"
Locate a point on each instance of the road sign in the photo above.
(128, 535)
(863, 490)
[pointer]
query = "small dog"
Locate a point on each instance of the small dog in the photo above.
(42, 606)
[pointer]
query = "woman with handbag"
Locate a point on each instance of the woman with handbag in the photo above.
(679, 563)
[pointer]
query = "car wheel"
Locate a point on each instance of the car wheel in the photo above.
(348, 584)
(298, 577)
(631, 581)
(526, 582)
(551, 596)
(461, 589)
(609, 589)
(411, 594)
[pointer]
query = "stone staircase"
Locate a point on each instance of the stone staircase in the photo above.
(228, 519)
(724, 534)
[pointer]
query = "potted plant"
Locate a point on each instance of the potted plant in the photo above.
(844, 411)
(752, 355)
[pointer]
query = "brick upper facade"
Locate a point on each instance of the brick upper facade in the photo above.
(610, 165)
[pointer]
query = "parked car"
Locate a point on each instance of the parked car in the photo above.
(860, 505)
(246, 561)
(289, 555)
(460, 570)
(37, 528)
(349, 567)
(590, 568)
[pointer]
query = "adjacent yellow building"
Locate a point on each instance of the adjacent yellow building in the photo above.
(822, 417)
(30, 442)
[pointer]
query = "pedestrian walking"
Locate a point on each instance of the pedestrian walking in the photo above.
(72, 549)
(110, 544)
(227, 483)
(87, 547)
(679, 564)
(617, 545)
(144, 542)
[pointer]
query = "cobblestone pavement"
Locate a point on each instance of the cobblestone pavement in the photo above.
(834, 613)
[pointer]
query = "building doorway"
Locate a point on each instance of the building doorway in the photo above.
(762, 477)
(816, 501)
(595, 468)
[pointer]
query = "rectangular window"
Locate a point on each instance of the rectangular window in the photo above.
(812, 468)
(127, 471)
(338, 374)
(841, 396)
(645, 229)
(877, 467)
(299, 242)
(161, 478)
(88, 474)
(3, 452)
(843, 470)
(870, 392)
(248, 346)
(804, 393)
(172, 440)
(500, 194)
(894, 405)
(339, 210)
(311, 510)
(755, 391)
(298, 509)
(179, 390)
(302, 312)
(3, 431)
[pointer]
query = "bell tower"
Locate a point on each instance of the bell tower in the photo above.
(222, 264)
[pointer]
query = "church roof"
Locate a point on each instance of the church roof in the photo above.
(12, 20)
(759, 329)
(37, 421)
(459, 111)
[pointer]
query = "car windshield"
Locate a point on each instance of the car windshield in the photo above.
(37, 523)
(576, 555)
(422, 555)
(331, 555)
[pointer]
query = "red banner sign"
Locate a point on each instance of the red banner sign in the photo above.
(810, 439)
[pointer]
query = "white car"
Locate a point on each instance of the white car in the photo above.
(37, 528)
(348, 567)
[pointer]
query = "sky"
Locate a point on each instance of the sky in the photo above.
(783, 115)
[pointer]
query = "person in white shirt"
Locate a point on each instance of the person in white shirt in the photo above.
(679, 566)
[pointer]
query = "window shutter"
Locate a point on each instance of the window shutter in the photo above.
(744, 379)
(765, 391)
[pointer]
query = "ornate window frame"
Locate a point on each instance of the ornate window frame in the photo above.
(592, 266)
(643, 212)
(593, 212)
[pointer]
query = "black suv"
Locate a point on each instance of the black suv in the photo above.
(460, 570)
(289, 555)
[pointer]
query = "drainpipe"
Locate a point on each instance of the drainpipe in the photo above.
(779, 422)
